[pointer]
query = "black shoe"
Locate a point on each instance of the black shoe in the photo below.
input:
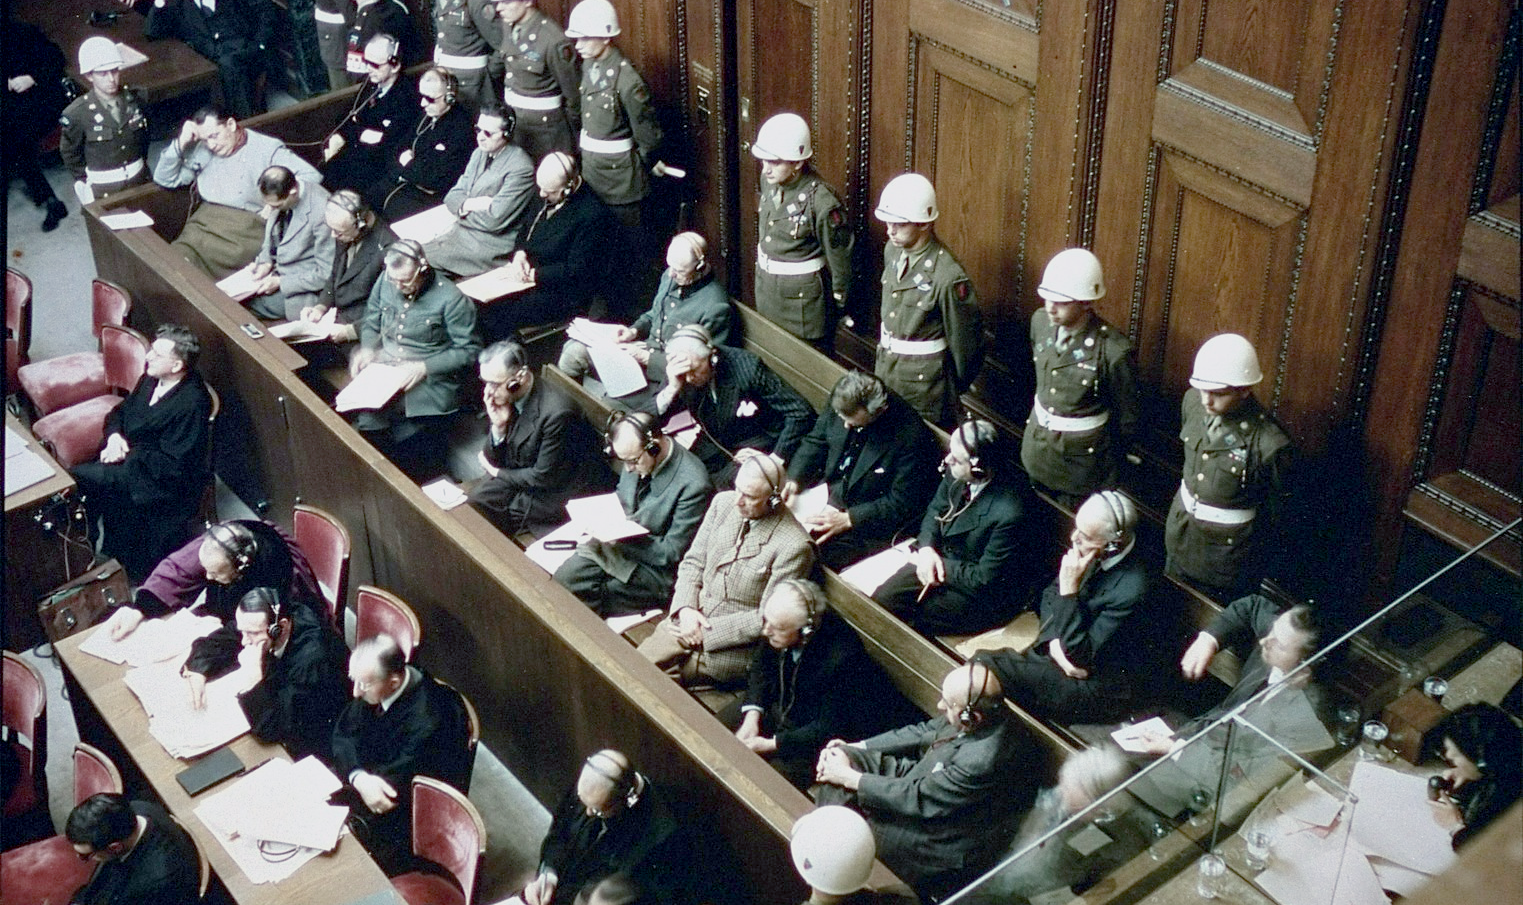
(56, 212)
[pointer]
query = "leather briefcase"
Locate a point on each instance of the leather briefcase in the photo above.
(79, 604)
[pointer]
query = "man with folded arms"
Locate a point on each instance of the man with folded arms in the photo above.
(488, 201)
(225, 161)
(748, 542)
(379, 123)
(432, 157)
(297, 256)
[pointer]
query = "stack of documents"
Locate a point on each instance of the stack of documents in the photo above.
(303, 331)
(276, 818)
(599, 516)
(870, 574)
(496, 283)
(425, 227)
(23, 465)
(184, 731)
(371, 388)
(153, 641)
(446, 493)
(240, 284)
(618, 371)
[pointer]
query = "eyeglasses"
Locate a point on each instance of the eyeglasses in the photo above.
(491, 133)
(372, 64)
(430, 98)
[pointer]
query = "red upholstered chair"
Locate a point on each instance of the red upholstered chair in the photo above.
(378, 612)
(18, 326)
(25, 706)
(326, 542)
(447, 830)
(70, 379)
(49, 870)
(75, 434)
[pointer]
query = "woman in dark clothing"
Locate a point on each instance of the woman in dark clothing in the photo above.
(1484, 750)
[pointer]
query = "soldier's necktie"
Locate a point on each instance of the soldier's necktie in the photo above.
(903, 267)
(1213, 427)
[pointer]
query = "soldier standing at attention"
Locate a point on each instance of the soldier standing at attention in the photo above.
(930, 342)
(105, 135)
(801, 231)
(1236, 456)
(1085, 412)
(466, 34)
(539, 79)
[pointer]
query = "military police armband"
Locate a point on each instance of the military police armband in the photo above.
(963, 289)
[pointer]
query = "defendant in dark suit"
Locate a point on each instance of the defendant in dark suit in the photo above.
(939, 795)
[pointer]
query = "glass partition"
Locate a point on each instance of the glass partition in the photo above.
(1288, 792)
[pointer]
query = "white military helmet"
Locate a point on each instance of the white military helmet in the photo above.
(99, 54)
(833, 849)
(908, 198)
(593, 19)
(1073, 275)
(1226, 360)
(783, 137)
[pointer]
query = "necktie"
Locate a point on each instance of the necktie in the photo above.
(642, 487)
(1213, 427)
(903, 267)
(278, 233)
(740, 536)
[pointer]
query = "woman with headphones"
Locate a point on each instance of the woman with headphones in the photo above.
(1481, 745)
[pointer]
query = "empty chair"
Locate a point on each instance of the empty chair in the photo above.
(75, 434)
(447, 830)
(326, 543)
(472, 725)
(71, 379)
(378, 612)
(25, 706)
(49, 870)
(18, 326)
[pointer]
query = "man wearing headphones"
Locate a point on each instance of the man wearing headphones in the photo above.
(489, 200)
(360, 239)
(563, 253)
(737, 400)
(748, 542)
(416, 320)
(971, 571)
(941, 795)
(614, 821)
(433, 154)
(290, 671)
(810, 681)
(664, 488)
(1094, 649)
(539, 451)
(380, 121)
(226, 562)
(878, 459)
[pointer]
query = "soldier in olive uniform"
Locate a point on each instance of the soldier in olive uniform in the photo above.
(334, 18)
(803, 251)
(930, 342)
(1085, 411)
(466, 34)
(1221, 521)
(105, 135)
(540, 79)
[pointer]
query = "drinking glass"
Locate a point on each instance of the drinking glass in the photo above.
(1212, 878)
(1371, 748)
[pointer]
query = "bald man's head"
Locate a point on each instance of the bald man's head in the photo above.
(787, 610)
(557, 177)
(975, 685)
(605, 782)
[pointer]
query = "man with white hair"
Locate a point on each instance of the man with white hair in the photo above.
(105, 134)
(747, 544)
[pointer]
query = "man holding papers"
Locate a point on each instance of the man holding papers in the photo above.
(972, 570)
(747, 544)
(488, 201)
(663, 488)
(539, 449)
(401, 723)
(296, 256)
(418, 322)
(141, 854)
(359, 242)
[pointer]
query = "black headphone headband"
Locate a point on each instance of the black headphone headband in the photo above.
(623, 778)
(774, 485)
(450, 80)
(970, 711)
(393, 48)
(410, 249)
(641, 422)
(240, 544)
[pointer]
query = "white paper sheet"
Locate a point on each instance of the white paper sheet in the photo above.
(1394, 820)
(240, 284)
(810, 502)
(84, 193)
(622, 624)
(593, 333)
(282, 803)
(1307, 870)
(131, 56)
(154, 639)
(371, 388)
(683, 428)
(1130, 737)
(15, 442)
(425, 227)
(1311, 807)
(25, 469)
(127, 220)
(869, 574)
(445, 493)
(183, 731)
(602, 517)
(300, 331)
(497, 283)
(551, 560)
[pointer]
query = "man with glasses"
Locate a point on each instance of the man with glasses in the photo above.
(225, 161)
(433, 154)
(747, 544)
(140, 854)
(359, 243)
(380, 121)
(665, 489)
(488, 201)
(971, 571)
(539, 451)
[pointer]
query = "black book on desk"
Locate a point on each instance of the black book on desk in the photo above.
(209, 770)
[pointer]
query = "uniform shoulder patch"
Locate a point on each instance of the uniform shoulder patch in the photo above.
(962, 288)
(641, 93)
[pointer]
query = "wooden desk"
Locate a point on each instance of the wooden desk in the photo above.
(36, 560)
(172, 68)
(335, 879)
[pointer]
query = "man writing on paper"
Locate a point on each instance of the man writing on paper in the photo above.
(416, 320)
(296, 257)
(488, 200)
(539, 452)
(401, 723)
(225, 161)
(972, 570)
(663, 488)
(563, 257)
(748, 542)
(687, 294)
(877, 457)
(359, 242)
